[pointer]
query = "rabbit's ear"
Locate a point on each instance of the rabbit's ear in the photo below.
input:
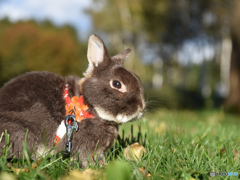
(96, 50)
(119, 58)
(96, 53)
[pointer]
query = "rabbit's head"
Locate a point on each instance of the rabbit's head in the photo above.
(115, 93)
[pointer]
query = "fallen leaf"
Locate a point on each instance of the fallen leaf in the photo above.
(19, 170)
(143, 171)
(222, 151)
(87, 174)
(34, 165)
(26, 169)
(39, 161)
(149, 175)
(236, 155)
(235, 152)
(134, 151)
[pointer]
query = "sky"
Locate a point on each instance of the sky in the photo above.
(60, 12)
(195, 51)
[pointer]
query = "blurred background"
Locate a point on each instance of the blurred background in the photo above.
(186, 52)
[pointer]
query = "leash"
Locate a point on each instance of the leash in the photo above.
(76, 111)
(70, 128)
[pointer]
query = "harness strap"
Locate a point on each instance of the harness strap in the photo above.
(75, 107)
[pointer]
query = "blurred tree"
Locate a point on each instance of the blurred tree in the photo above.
(118, 23)
(233, 99)
(156, 29)
(29, 46)
(160, 29)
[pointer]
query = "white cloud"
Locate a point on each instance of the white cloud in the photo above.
(59, 11)
(13, 13)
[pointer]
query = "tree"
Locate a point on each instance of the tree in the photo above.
(233, 99)
(31, 46)
(159, 30)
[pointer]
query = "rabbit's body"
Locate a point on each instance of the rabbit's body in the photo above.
(35, 101)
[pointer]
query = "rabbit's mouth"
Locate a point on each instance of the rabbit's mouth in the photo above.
(119, 118)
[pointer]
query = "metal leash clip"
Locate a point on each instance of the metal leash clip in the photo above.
(70, 119)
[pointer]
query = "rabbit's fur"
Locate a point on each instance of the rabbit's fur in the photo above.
(35, 101)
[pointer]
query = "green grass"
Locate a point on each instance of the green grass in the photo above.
(179, 145)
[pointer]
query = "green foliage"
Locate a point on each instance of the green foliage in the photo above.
(143, 16)
(28, 46)
(163, 22)
(159, 31)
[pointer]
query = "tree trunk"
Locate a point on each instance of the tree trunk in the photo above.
(233, 100)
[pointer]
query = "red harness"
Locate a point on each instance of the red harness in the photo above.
(76, 107)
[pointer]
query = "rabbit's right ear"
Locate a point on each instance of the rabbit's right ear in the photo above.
(96, 54)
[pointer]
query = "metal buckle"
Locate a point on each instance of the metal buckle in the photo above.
(70, 128)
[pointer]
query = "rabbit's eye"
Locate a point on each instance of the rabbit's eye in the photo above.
(116, 84)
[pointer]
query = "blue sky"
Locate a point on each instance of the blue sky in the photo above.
(58, 11)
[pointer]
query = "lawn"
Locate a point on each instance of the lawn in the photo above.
(178, 145)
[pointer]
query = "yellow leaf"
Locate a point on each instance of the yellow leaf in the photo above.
(87, 174)
(19, 170)
(134, 151)
(143, 171)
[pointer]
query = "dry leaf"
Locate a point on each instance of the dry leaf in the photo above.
(142, 170)
(235, 152)
(236, 155)
(149, 175)
(19, 170)
(134, 151)
(26, 169)
(222, 151)
(87, 174)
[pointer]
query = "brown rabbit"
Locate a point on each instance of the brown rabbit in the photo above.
(35, 101)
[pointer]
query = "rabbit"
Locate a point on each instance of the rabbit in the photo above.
(35, 102)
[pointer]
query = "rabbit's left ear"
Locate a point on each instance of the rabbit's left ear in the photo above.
(119, 58)
(95, 51)
(97, 54)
